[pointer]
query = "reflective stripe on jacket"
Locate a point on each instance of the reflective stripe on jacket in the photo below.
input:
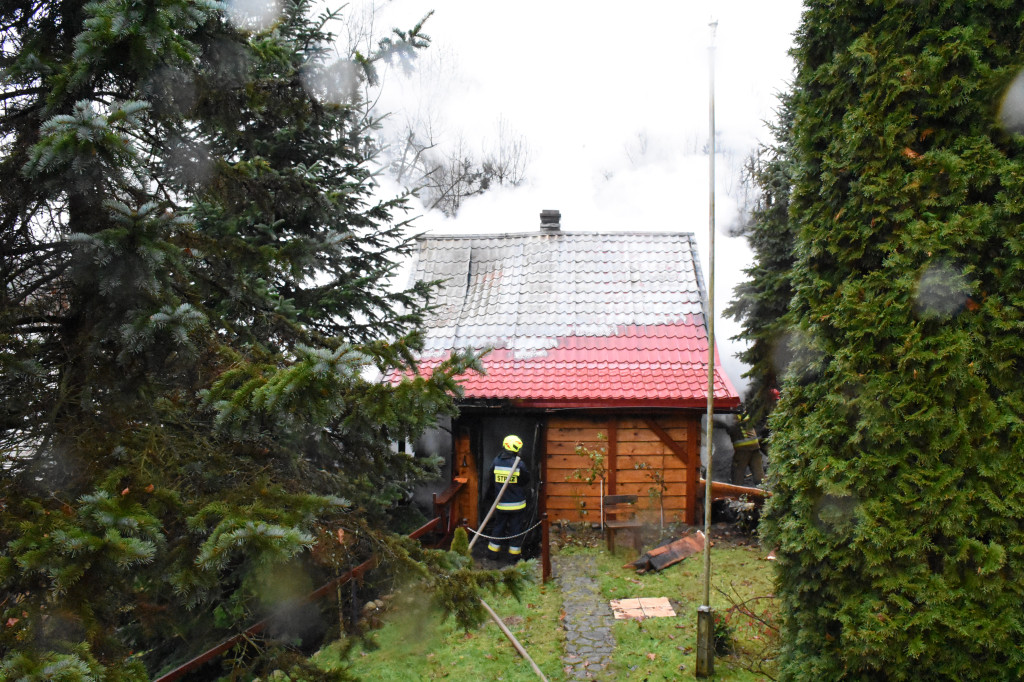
(747, 443)
(501, 474)
(514, 498)
(744, 437)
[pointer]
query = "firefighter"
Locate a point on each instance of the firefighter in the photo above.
(746, 450)
(510, 513)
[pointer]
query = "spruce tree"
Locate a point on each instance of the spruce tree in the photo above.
(899, 505)
(196, 289)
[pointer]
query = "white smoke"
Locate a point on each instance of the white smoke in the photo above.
(1011, 109)
(335, 83)
(253, 15)
(613, 101)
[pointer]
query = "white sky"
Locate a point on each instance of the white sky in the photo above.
(584, 83)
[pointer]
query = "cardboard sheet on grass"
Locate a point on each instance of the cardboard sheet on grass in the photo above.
(657, 559)
(644, 607)
(668, 554)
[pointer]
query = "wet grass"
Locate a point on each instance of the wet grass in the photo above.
(414, 644)
(665, 648)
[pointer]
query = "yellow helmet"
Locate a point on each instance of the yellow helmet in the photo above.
(512, 443)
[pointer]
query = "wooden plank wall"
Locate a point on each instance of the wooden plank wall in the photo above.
(629, 445)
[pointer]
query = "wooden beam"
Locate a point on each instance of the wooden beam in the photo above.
(692, 471)
(545, 548)
(449, 493)
(467, 504)
(542, 452)
(425, 528)
(675, 447)
(613, 454)
(687, 458)
(723, 491)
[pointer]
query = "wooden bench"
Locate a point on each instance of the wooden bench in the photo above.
(620, 515)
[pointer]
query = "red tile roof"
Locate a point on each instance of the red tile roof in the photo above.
(574, 319)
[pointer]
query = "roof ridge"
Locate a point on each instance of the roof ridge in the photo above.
(555, 235)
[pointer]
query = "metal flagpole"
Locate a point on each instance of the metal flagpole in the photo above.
(705, 619)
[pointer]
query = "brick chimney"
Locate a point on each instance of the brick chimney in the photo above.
(550, 221)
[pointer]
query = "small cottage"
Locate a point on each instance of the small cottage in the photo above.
(598, 350)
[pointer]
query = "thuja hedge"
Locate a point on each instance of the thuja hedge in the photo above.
(899, 442)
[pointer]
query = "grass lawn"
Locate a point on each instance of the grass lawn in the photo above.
(414, 644)
(665, 648)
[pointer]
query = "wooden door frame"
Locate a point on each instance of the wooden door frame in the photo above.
(462, 451)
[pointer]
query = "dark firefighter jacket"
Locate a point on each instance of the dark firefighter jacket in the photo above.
(743, 436)
(515, 494)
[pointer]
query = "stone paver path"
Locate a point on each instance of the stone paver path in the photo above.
(588, 620)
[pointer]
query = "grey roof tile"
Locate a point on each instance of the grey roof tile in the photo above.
(525, 291)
